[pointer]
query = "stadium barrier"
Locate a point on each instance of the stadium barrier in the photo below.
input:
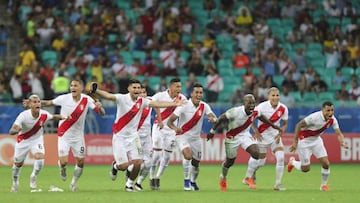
(99, 150)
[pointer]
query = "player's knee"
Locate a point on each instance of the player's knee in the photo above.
(255, 154)
(229, 162)
(187, 154)
(20, 164)
(195, 162)
(305, 169)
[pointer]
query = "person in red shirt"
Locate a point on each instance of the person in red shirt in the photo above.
(148, 22)
(240, 60)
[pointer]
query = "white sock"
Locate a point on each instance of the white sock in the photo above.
(224, 171)
(155, 159)
(38, 164)
(129, 183)
(16, 173)
(143, 173)
(186, 167)
(77, 173)
(130, 167)
(325, 175)
(252, 166)
(297, 164)
(163, 164)
(194, 173)
(279, 166)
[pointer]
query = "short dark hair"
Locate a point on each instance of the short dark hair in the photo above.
(196, 85)
(134, 81)
(327, 103)
(174, 80)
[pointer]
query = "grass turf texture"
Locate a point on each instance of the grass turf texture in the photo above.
(96, 186)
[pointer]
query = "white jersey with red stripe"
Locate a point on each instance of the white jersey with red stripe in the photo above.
(164, 96)
(316, 121)
(145, 129)
(68, 105)
(237, 117)
(26, 121)
(186, 113)
(268, 111)
(124, 105)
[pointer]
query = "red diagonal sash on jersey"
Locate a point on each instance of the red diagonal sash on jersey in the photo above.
(308, 133)
(167, 57)
(275, 117)
(121, 69)
(287, 67)
(144, 115)
(194, 120)
(34, 129)
(167, 112)
(213, 81)
(75, 115)
(127, 117)
(233, 132)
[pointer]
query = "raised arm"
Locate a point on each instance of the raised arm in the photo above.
(106, 95)
(212, 117)
(164, 104)
(46, 103)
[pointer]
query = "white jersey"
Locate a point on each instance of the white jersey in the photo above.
(128, 114)
(145, 122)
(238, 119)
(186, 114)
(275, 115)
(27, 122)
(78, 111)
(165, 112)
(316, 125)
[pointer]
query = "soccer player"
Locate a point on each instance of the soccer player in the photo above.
(190, 117)
(28, 127)
(144, 129)
(270, 137)
(238, 135)
(307, 141)
(126, 141)
(163, 137)
(71, 131)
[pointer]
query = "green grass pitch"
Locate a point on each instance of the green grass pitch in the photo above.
(96, 186)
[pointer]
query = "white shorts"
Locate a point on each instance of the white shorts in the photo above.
(163, 139)
(29, 145)
(308, 146)
(146, 145)
(126, 149)
(194, 143)
(273, 145)
(77, 147)
(232, 144)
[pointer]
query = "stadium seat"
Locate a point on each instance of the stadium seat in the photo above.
(49, 55)
(278, 79)
(112, 38)
(314, 47)
(224, 64)
(239, 71)
(310, 97)
(181, 72)
(154, 82)
(326, 96)
(287, 22)
(296, 95)
(226, 71)
(139, 54)
(273, 22)
(225, 96)
(347, 71)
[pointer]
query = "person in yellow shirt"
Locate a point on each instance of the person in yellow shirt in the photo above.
(59, 42)
(96, 68)
(27, 55)
(244, 19)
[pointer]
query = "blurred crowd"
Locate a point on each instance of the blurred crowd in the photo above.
(232, 47)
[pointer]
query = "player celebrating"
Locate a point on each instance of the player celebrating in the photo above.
(28, 127)
(238, 135)
(163, 137)
(270, 137)
(126, 142)
(188, 134)
(144, 129)
(307, 141)
(71, 131)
